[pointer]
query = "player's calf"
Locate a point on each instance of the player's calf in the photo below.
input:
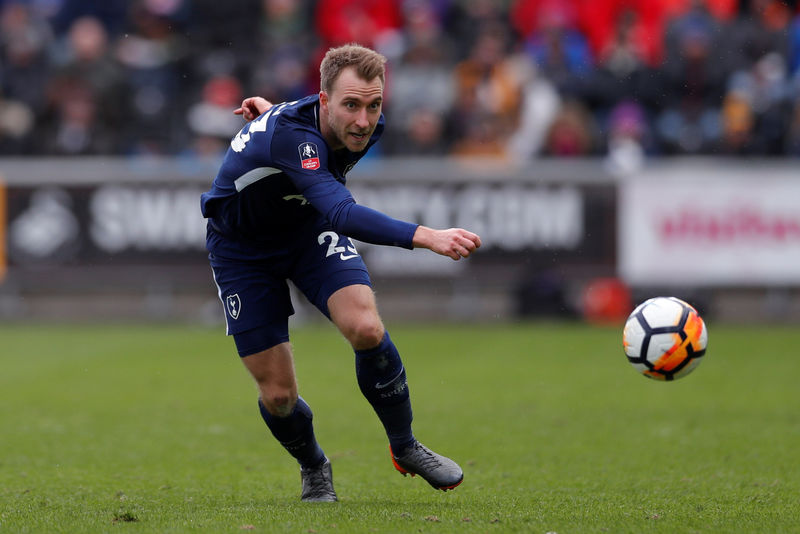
(382, 380)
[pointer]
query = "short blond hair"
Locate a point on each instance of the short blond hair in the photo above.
(368, 63)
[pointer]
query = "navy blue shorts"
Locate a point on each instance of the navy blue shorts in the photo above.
(252, 281)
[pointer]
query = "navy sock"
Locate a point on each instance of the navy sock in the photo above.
(382, 380)
(296, 433)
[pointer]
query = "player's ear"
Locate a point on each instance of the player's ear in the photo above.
(323, 99)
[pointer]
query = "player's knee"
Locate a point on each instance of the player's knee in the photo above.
(381, 375)
(365, 334)
(280, 402)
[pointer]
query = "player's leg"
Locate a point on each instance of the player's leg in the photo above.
(289, 417)
(286, 414)
(273, 371)
(379, 369)
(257, 307)
(332, 275)
(382, 380)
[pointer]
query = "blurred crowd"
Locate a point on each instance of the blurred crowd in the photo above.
(519, 79)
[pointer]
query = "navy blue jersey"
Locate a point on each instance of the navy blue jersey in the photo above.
(279, 175)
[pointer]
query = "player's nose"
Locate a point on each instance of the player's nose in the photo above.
(362, 120)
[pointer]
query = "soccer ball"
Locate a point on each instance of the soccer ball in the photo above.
(665, 338)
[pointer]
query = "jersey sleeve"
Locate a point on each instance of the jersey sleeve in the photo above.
(303, 156)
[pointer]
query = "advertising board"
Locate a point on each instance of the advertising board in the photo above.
(712, 229)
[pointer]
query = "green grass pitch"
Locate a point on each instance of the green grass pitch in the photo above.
(155, 429)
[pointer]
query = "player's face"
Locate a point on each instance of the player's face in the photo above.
(350, 111)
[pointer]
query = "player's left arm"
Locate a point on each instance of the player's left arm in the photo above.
(330, 197)
(365, 224)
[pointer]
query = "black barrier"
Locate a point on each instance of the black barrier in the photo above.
(147, 224)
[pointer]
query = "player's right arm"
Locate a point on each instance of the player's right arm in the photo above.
(302, 154)
(252, 107)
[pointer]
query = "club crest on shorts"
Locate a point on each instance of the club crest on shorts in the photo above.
(233, 305)
(309, 156)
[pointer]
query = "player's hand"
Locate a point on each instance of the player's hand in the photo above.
(252, 107)
(455, 243)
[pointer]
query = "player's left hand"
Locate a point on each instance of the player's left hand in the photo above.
(252, 107)
(455, 243)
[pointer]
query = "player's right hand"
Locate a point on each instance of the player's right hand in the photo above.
(252, 107)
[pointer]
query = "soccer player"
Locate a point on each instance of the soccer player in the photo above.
(279, 210)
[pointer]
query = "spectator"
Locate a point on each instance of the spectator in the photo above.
(211, 120)
(737, 127)
(286, 21)
(223, 36)
(73, 127)
(572, 132)
(766, 90)
(622, 63)
(552, 39)
(24, 61)
(374, 23)
(623, 73)
(16, 127)
(488, 97)
(423, 134)
(466, 21)
(422, 70)
(600, 21)
(150, 54)
(112, 14)
(284, 76)
(761, 27)
(628, 138)
(280, 71)
(688, 122)
(539, 108)
(89, 75)
(792, 141)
